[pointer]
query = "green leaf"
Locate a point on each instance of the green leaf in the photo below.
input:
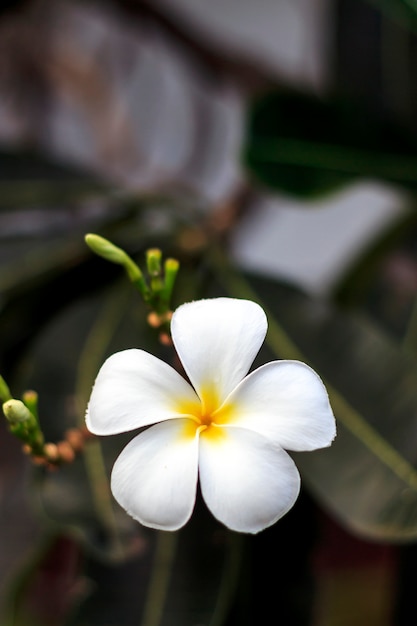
(77, 497)
(30, 178)
(184, 578)
(306, 146)
(368, 477)
(403, 12)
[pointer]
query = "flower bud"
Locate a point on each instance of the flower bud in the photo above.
(30, 399)
(106, 249)
(171, 268)
(153, 261)
(16, 412)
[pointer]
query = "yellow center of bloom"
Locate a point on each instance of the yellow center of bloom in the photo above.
(206, 416)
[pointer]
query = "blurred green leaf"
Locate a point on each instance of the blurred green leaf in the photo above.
(306, 146)
(184, 578)
(77, 496)
(404, 12)
(86, 331)
(410, 4)
(180, 579)
(368, 477)
(48, 585)
(30, 178)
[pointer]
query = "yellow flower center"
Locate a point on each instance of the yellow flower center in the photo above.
(206, 416)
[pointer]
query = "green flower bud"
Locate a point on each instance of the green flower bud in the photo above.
(153, 261)
(107, 250)
(154, 267)
(17, 413)
(24, 425)
(30, 399)
(171, 268)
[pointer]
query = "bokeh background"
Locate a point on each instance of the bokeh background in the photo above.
(271, 147)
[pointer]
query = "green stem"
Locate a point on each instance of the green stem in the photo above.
(90, 360)
(229, 580)
(166, 547)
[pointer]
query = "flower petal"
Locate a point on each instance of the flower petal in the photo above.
(135, 389)
(286, 402)
(217, 341)
(155, 477)
(247, 482)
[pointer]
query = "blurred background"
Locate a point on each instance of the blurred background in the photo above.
(271, 147)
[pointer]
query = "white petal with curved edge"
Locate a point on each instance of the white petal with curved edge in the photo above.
(286, 402)
(155, 477)
(134, 389)
(246, 482)
(217, 341)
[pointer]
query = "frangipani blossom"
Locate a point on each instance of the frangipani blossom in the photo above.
(228, 429)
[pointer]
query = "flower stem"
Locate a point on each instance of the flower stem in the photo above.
(166, 547)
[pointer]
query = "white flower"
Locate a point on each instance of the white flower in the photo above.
(227, 428)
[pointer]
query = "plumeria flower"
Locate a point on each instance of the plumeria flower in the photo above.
(228, 429)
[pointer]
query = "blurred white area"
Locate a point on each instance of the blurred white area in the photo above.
(292, 39)
(123, 100)
(128, 101)
(163, 119)
(312, 244)
(131, 102)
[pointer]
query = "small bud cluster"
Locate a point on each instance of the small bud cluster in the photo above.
(23, 422)
(156, 290)
(65, 451)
